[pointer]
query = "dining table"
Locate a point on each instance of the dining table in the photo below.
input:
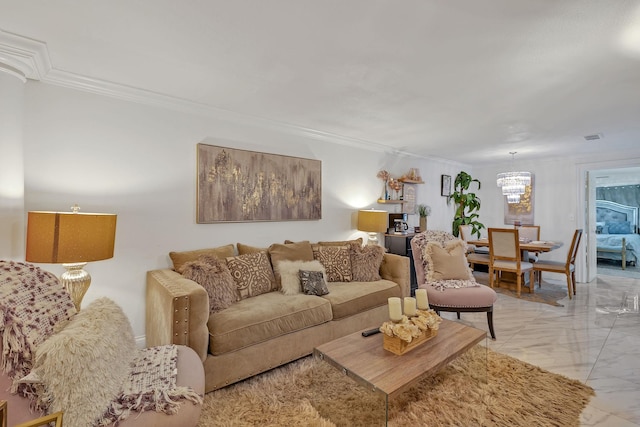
(526, 246)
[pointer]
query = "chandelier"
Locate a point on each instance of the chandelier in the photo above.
(513, 184)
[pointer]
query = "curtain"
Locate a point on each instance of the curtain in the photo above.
(628, 195)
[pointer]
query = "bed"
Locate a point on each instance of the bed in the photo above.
(617, 235)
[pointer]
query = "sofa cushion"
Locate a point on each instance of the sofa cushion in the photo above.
(289, 271)
(252, 273)
(336, 260)
(180, 258)
(365, 262)
(354, 297)
(214, 276)
(299, 251)
(264, 317)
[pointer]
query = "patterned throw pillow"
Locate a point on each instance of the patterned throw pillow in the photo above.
(313, 283)
(214, 276)
(448, 263)
(252, 273)
(336, 260)
(365, 263)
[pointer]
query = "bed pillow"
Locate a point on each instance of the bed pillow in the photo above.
(623, 227)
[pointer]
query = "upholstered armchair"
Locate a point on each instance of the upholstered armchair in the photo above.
(443, 270)
(86, 364)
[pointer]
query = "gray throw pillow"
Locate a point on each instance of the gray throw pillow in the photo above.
(313, 283)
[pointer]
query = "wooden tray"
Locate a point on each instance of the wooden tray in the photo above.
(397, 346)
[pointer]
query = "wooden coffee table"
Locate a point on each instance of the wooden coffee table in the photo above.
(365, 360)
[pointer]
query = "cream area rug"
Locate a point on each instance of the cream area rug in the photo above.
(480, 388)
(548, 293)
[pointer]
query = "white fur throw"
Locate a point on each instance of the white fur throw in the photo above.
(83, 367)
(289, 274)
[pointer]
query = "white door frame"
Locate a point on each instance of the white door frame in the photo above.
(583, 270)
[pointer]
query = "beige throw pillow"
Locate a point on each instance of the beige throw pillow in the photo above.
(290, 277)
(448, 263)
(252, 273)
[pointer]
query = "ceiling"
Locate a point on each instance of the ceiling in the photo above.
(464, 80)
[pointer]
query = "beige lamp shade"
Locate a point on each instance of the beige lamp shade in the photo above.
(55, 237)
(373, 221)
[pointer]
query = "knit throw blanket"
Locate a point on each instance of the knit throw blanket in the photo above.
(151, 386)
(32, 304)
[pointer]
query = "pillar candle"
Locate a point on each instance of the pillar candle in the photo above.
(395, 309)
(409, 306)
(422, 299)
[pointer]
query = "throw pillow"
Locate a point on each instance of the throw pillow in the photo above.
(365, 263)
(214, 276)
(289, 274)
(336, 260)
(33, 303)
(83, 367)
(448, 263)
(252, 273)
(180, 258)
(623, 227)
(313, 283)
(299, 251)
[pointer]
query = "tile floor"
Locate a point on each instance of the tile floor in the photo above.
(594, 338)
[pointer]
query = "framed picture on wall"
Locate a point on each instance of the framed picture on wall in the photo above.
(445, 185)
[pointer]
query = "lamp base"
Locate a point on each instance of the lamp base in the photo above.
(372, 239)
(76, 280)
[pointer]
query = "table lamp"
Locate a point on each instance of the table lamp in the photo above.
(71, 239)
(373, 222)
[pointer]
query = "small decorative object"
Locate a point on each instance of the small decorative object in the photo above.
(421, 299)
(409, 306)
(405, 335)
(395, 309)
(423, 211)
(445, 187)
(384, 176)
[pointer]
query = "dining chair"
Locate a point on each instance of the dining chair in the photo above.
(530, 233)
(475, 255)
(504, 256)
(567, 267)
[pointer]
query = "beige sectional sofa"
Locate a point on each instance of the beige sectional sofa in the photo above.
(258, 333)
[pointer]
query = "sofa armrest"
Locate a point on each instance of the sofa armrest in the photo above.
(397, 268)
(177, 311)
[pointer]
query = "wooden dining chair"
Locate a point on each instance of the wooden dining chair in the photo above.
(530, 233)
(475, 255)
(567, 267)
(504, 256)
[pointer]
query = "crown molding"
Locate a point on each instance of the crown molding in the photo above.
(28, 57)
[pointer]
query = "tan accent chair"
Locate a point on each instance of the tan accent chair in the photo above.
(505, 256)
(567, 268)
(41, 421)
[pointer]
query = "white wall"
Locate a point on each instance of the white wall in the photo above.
(139, 162)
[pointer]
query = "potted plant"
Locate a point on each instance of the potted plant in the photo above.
(467, 204)
(423, 211)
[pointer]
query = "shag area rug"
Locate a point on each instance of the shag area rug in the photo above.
(480, 388)
(548, 293)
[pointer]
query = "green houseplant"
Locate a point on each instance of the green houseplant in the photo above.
(467, 204)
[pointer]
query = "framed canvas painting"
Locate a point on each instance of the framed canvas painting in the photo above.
(243, 186)
(523, 210)
(445, 185)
